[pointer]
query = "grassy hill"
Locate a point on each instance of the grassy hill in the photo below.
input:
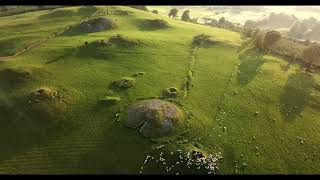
(258, 111)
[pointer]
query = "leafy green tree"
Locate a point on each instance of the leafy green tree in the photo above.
(185, 16)
(173, 12)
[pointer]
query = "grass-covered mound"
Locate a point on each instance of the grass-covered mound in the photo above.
(203, 40)
(154, 118)
(187, 159)
(124, 83)
(97, 25)
(121, 40)
(43, 108)
(154, 24)
(171, 92)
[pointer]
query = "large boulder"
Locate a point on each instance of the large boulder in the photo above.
(154, 118)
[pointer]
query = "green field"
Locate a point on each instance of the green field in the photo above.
(253, 108)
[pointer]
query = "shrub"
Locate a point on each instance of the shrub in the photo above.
(155, 12)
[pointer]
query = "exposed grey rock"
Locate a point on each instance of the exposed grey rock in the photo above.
(154, 117)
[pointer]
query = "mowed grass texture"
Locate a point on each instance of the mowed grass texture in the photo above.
(259, 112)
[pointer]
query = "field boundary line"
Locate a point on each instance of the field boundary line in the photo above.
(55, 34)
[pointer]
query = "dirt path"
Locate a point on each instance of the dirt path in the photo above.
(55, 34)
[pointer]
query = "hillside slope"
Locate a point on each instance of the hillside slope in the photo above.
(258, 111)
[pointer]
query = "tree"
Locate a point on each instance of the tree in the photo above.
(185, 16)
(311, 56)
(155, 11)
(173, 12)
(222, 20)
(270, 39)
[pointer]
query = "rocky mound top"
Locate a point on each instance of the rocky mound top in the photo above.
(154, 117)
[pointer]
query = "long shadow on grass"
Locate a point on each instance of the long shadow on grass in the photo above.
(296, 95)
(18, 132)
(251, 61)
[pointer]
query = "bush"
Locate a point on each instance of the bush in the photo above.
(125, 83)
(155, 12)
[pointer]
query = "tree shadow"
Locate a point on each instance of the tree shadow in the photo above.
(251, 61)
(297, 93)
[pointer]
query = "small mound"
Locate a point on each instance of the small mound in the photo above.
(109, 100)
(157, 23)
(124, 83)
(123, 41)
(97, 25)
(171, 92)
(154, 118)
(43, 93)
(203, 40)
